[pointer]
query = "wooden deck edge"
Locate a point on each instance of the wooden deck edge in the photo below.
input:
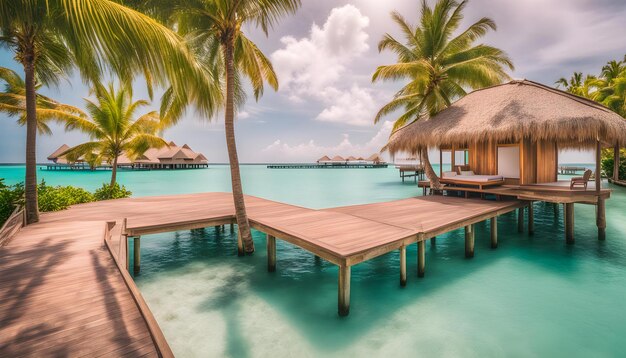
(157, 335)
(617, 182)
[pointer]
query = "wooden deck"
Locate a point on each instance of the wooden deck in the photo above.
(62, 292)
(62, 295)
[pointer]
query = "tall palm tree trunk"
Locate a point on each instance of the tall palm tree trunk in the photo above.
(113, 173)
(428, 169)
(240, 206)
(32, 209)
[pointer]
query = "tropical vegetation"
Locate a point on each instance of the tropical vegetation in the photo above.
(13, 103)
(54, 198)
(609, 89)
(215, 29)
(50, 37)
(438, 67)
(113, 128)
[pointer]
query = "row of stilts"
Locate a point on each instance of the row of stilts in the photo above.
(345, 271)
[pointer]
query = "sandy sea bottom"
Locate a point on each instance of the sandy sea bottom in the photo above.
(533, 296)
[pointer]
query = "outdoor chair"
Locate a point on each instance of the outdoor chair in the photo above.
(581, 181)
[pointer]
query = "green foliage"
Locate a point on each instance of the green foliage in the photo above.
(112, 192)
(55, 198)
(437, 66)
(9, 197)
(607, 163)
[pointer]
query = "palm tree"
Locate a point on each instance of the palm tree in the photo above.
(610, 87)
(113, 128)
(215, 28)
(49, 37)
(576, 84)
(439, 67)
(13, 102)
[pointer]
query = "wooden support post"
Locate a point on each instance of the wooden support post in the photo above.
(421, 258)
(494, 232)
(569, 223)
(137, 253)
(531, 219)
(403, 266)
(239, 244)
(601, 219)
(520, 219)
(433, 241)
(232, 228)
(469, 241)
(271, 253)
(598, 174)
(344, 290)
(556, 209)
(616, 162)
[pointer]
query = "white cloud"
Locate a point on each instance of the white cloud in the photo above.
(318, 67)
(310, 151)
(243, 115)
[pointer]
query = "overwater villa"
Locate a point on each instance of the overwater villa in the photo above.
(169, 157)
(504, 140)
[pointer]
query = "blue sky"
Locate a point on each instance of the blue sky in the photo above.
(325, 56)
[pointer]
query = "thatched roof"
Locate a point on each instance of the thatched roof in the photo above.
(374, 158)
(511, 112)
(351, 158)
(324, 159)
(57, 153)
(338, 158)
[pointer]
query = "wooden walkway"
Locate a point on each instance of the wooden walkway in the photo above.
(62, 293)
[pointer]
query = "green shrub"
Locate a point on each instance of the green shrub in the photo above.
(116, 192)
(10, 196)
(607, 167)
(55, 198)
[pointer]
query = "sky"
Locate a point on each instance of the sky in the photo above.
(325, 55)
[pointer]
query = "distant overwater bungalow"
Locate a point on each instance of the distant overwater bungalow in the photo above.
(169, 157)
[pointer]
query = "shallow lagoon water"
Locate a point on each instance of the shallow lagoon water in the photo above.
(533, 296)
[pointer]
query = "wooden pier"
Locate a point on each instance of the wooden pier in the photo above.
(329, 166)
(72, 267)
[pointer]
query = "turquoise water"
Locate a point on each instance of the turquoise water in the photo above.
(533, 296)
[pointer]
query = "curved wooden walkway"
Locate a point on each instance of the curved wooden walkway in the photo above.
(61, 292)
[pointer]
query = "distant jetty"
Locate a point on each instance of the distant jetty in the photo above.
(337, 162)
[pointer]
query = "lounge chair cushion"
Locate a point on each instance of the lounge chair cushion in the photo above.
(467, 172)
(449, 174)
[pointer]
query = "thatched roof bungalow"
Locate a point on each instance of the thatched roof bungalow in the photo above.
(515, 130)
(323, 160)
(168, 157)
(338, 158)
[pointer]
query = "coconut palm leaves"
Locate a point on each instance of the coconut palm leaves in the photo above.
(13, 102)
(214, 29)
(114, 129)
(438, 67)
(49, 37)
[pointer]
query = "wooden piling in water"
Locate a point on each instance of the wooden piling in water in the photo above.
(531, 219)
(137, 253)
(494, 232)
(469, 241)
(271, 253)
(569, 223)
(344, 291)
(232, 228)
(520, 220)
(421, 258)
(601, 219)
(403, 266)
(433, 240)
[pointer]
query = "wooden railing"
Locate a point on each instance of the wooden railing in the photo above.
(12, 226)
(158, 338)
